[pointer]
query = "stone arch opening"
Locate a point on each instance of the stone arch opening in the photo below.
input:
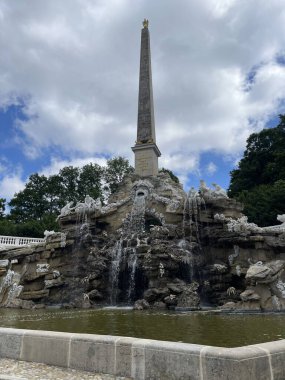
(150, 221)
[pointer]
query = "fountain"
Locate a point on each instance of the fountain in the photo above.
(152, 245)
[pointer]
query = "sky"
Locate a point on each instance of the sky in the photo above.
(69, 75)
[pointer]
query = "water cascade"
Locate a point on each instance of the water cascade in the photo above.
(116, 261)
(10, 288)
(191, 215)
(124, 253)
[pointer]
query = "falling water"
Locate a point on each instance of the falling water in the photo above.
(133, 226)
(132, 264)
(82, 230)
(191, 213)
(10, 287)
(115, 270)
(137, 217)
(234, 255)
(191, 231)
(81, 222)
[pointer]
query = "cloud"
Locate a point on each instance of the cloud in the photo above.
(57, 164)
(11, 178)
(11, 184)
(211, 168)
(216, 65)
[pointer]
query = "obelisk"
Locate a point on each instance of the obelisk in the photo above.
(145, 149)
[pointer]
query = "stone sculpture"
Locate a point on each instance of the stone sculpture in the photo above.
(216, 193)
(66, 210)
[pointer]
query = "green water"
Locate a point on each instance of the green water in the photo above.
(200, 328)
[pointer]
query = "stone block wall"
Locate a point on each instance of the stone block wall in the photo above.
(143, 359)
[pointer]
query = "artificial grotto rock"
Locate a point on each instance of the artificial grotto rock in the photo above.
(151, 246)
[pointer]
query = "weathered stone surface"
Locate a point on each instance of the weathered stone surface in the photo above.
(189, 297)
(156, 294)
(95, 295)
(170, 300)
(141, 305)
(4, 264)
(54, 283)
(34, 295)
(265, 273)
(249, 295)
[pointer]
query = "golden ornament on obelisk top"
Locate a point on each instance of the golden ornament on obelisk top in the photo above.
(145, 23)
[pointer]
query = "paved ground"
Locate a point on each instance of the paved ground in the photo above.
(16, 370)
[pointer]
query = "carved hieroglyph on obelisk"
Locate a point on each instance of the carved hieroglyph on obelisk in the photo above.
(146, 150)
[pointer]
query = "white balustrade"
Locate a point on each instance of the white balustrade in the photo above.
(16, 241)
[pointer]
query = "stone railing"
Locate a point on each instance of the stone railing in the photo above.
(16, 241)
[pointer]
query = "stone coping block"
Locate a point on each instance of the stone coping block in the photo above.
(143, 359)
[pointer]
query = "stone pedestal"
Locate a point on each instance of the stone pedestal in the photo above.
(146, 159)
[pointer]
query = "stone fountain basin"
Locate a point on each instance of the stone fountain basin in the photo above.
(142, 358)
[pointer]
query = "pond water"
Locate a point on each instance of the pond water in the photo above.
(224, 330)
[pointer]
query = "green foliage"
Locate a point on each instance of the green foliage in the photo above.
(115, 171)
(2, 207)
(172, 175)
(33, 201)
(29, 228)
(44, 196)
(259, 180)
(264, 203)
(69, 183)
(90, 181)
(263, 161)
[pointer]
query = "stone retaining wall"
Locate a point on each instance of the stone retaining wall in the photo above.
(144, 359)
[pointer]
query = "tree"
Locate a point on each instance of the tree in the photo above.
(263, 161)
(115, 171)
(69, 182)
(259, 180)
(90, 181)
(31, 203)
(170, 172)
(264, 203)
(2, 207)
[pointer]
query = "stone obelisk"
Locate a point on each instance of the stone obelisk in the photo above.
(145, 149)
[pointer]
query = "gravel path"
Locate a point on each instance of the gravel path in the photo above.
(17, 370)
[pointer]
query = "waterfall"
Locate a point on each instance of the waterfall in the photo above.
(81, 223)
(133, 226)
(135, 222)
(191, 242)
(10, 288)
(234, 255)
(115, 270)
(132, 264)
(191, 213)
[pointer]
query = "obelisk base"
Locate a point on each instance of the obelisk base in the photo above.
(146, 159)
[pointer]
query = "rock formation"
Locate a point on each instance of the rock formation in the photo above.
(153, 246)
